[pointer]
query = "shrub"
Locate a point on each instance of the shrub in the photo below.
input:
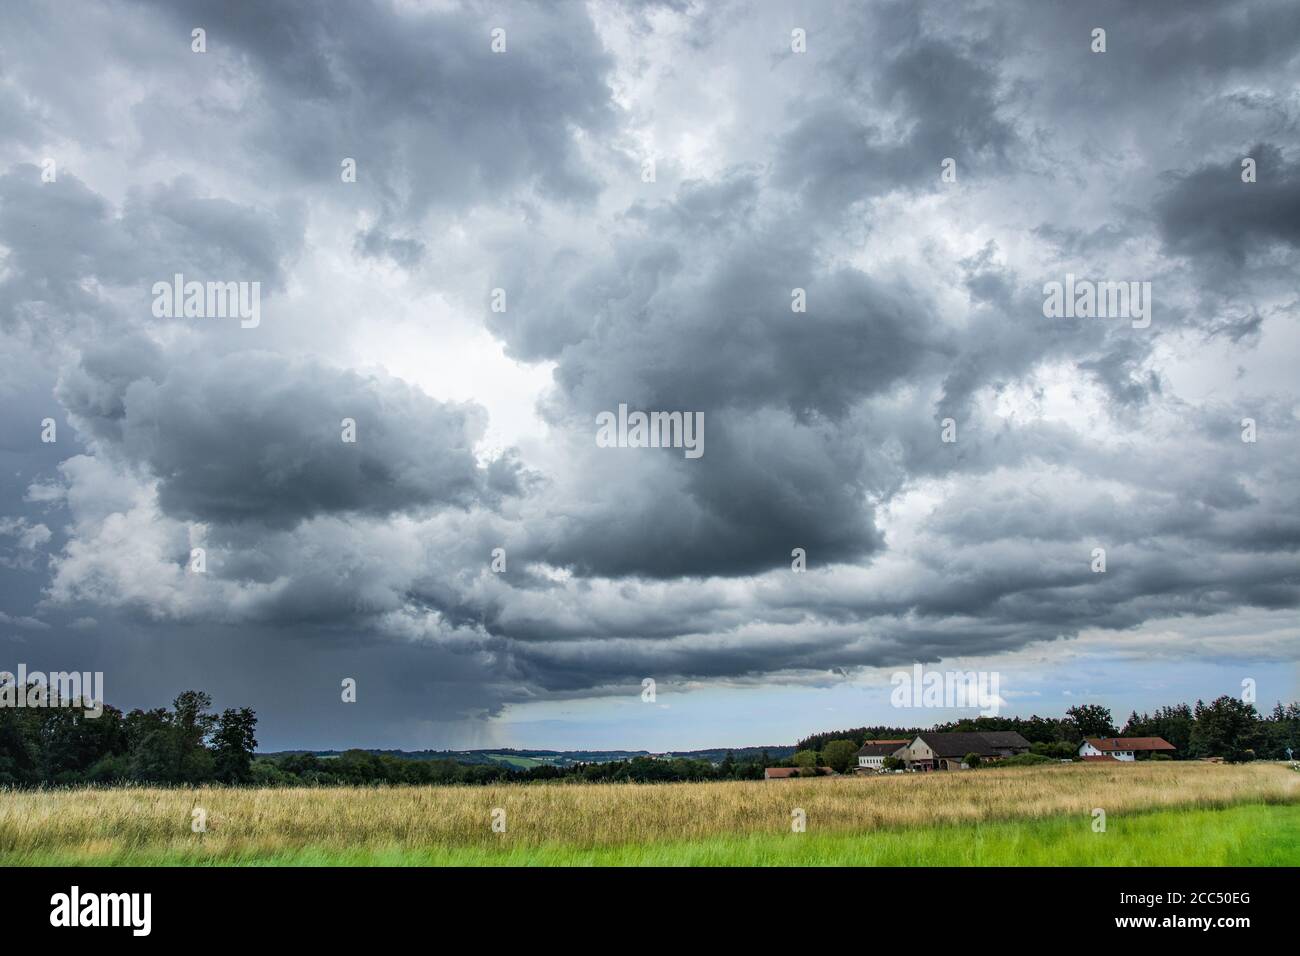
(264, 773)
(114, 768)
(1060, 749)
(1025, 760)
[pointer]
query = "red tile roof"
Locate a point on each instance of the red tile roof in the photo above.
(780, 773)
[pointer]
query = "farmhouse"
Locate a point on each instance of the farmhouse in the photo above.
(1123, 748)
(872, 754)
(930, 751)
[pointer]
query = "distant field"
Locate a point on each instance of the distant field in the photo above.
(523, 763)
(1156, 814)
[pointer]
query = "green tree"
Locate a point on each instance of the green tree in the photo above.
(1281, 729)
(233, 745)
(1173, 724)
(71, 742)
(1226, 727)
(193, 725)
(805, 759)
(972, 760)
(156, 754)
(839, 755)
(727, 768)
(18, 752)
(1092, 720)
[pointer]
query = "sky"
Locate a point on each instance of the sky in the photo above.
(826, 231)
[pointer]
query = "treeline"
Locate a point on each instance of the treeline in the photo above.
(360, 768)
(57, 743)
(188, 744)
(1226, 727)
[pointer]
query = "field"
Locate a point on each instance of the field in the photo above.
(1156, 814)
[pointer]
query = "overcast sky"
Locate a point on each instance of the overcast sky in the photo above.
(648, 183)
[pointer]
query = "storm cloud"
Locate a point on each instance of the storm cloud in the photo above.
(837, 256)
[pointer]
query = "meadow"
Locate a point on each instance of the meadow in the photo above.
(1157, 813)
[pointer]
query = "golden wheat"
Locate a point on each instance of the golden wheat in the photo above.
(102, 821)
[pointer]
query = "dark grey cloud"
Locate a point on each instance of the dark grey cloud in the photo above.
(68, 246)
(941, 100)
(415, 95)
(252, 436)
(1211, 215)
(717, 334)
(766, 486)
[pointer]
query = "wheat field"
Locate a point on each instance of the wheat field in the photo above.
(251, 825)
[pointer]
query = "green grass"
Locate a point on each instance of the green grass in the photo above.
(523, 763)
(1246, 835)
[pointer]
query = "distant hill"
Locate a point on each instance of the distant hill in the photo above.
(524, 759)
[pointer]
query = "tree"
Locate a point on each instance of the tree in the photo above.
(805, 759)
(59, 744)
(892, 763)
(1041, 730)
(18, 755)
(839, 755)
(1173, 724)
(1225, 728)
(972, 760)
(71, 742)
(155, 755)
(1092, 720)
(1281, 729)
(233, 745)
(192, 718)
(193, 725)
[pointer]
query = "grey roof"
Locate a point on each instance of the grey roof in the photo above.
(958, 745)
(985, 743)
(879, 750)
